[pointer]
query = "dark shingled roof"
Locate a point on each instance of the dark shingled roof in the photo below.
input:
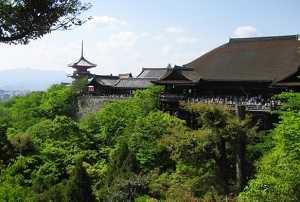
(105, 80)
(152, 73)
(134, 83)
(265, 59)
(178, 75)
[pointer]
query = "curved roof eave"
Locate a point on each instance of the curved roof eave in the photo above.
(82, 62)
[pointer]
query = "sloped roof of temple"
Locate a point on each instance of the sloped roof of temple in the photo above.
(104, 80)
(134, 83)
(156, 73)
(179, 75)
(266, 59)
(143, 80)
(126, 81)
(82, 62)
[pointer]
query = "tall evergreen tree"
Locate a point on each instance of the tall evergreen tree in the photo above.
(79, 186)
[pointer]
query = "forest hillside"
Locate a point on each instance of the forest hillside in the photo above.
(131, 151)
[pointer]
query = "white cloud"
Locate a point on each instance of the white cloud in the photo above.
(117, 53)
(41, 56)
(166, 49)
(246, 31)
(104, 22)
(123, 41)
(137, 57)
(160, 37)
(174, 29)
(186, 40)
(144, 34)
(185, 56)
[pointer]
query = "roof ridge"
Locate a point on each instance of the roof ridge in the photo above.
(155, 68)
(268, 38)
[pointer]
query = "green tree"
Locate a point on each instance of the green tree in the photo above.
(122, 163)
(59, 100)
(206, 157)
(215, 118)
(123, 181)
(25, 110)
(13, 192)
(144, 137)
(147, 100)
(115, 118)
(79, 185)
(278, 170)
(26, 20)
(23, 144)
(80, 85)
(5, 145)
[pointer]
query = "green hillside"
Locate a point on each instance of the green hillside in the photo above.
(132, 151)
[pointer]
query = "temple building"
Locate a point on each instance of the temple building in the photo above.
(247, 67)
(81, 67)
(241, 69)
(125, 84)
(244, 71)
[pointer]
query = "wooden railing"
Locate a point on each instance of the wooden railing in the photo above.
(109, 97)
(232, 104)
(169, 97)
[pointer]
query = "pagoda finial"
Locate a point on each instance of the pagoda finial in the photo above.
(82, 48)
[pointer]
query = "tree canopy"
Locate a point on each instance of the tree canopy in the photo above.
(278, 171)
(130, 150)
(24, 20)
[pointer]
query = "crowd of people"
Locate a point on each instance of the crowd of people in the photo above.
(255, 102)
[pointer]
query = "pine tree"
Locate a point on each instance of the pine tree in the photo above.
(79, 186)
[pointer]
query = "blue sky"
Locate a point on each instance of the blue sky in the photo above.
(125, 36)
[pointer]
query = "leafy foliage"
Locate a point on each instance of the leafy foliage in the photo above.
(24, 111)
(144, 138)
(132, 151)
(59, 100)
(26, 20)
(210, 151)
(278, 170)
(79, 186)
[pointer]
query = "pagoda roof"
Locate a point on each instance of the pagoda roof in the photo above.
(264, 59)
(82, 62)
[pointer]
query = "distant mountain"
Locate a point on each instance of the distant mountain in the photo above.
(31, 79)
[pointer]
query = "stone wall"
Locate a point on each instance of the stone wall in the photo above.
(88, 104)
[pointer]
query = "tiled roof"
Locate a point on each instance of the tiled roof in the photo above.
(105, 80)
(135, 83)
(263, 59)
(179, 75)
(152, 73)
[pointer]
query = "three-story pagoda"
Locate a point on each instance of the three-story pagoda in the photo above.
(81, 67)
